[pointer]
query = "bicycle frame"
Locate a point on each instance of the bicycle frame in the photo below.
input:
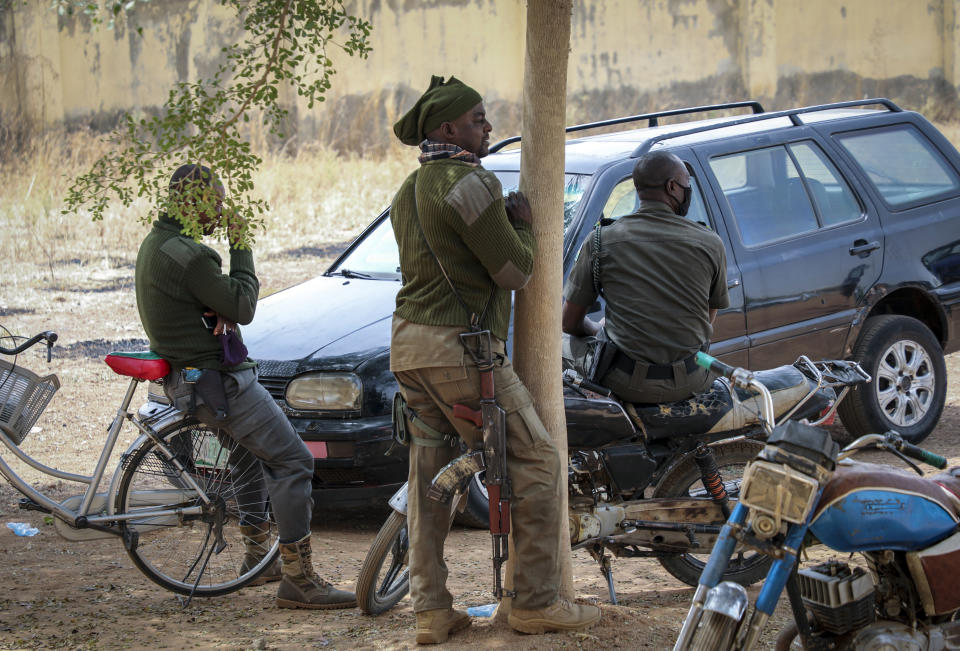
(82, 518)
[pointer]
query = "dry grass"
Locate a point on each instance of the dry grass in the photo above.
(318, 198)
(74, 276)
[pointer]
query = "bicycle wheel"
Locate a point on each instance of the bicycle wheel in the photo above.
(385, 577)
(202, 553)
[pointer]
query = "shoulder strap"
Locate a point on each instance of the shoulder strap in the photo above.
(475, 321)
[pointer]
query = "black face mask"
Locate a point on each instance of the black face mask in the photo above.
(685, 204)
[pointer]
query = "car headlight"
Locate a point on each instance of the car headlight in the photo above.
(325, 392)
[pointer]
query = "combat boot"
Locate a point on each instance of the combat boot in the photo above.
(255, 548)
(435, 626)
(561, 615)
(300, 586)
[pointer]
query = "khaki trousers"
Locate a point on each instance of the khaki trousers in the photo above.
(533, 465)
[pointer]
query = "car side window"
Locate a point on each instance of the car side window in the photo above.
(832, 196)
(902, 164)
(766, 194)
(623, 200)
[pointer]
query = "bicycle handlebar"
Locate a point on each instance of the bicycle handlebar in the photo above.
(49, 336)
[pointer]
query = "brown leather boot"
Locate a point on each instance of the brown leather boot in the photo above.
(561, 615)
(300, 586)
(255, 538)
(435, 626)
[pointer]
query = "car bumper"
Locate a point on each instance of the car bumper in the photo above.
(352, 453)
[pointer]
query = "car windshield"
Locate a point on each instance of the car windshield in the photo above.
(375, 256)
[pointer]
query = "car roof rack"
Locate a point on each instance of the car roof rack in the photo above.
(652, 117)
(791, 113)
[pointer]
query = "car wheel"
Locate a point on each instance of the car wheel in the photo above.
(476, 513)
(909, 380)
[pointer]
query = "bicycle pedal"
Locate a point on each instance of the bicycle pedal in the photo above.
(27, 504)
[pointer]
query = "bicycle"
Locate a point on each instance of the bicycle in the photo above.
(177, 496)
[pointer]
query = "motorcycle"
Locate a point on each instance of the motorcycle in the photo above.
(644, 480)
(801, 492)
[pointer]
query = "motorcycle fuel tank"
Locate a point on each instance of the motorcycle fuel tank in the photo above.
(867, 507)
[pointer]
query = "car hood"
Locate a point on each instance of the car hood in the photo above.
(342, 320)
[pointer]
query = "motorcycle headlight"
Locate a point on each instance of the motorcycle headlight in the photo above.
(325, 392)
(779, 491)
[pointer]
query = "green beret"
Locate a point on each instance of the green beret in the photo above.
(441, 103)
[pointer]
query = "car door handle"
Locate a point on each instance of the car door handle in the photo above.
(863, 248)
(733, 283)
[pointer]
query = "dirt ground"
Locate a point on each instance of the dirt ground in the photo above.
(69, 595)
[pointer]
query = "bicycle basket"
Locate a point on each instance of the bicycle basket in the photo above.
(23, 397)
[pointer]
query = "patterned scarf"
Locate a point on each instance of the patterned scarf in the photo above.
(433, 150)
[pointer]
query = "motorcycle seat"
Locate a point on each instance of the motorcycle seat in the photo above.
(949, 480)
(715, 411)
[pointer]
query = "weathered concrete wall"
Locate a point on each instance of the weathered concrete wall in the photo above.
(627, 56)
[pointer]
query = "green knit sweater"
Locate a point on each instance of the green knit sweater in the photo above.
(462, 215)
(177, 279)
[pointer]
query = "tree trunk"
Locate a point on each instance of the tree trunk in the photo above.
(536, 343)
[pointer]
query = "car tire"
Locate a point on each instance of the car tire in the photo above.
(909, 381)
(476, 512)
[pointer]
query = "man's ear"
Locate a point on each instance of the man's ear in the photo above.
(448, 130)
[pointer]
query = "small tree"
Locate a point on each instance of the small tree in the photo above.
(285, 42)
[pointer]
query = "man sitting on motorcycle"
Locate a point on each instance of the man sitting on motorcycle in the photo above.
(663, 278)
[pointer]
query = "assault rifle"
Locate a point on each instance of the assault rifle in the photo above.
(492, 420)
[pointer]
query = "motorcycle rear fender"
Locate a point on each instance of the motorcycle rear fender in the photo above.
(399, 500)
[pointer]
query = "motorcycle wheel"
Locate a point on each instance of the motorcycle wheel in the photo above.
(385, 575)
(683, 480)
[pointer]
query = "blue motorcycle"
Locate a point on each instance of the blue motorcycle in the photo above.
(802, 491)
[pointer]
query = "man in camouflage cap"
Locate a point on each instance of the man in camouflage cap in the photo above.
(463, 249)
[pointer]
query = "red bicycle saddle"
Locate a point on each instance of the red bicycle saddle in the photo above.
(145, 365)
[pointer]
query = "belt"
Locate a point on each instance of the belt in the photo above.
(654, 371)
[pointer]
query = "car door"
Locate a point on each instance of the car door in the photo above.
(808, 247)
(615, 196)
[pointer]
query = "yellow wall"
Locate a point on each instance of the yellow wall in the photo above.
(626, 56)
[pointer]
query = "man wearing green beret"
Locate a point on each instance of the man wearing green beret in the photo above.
(463, 249)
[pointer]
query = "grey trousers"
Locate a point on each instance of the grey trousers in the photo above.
(256, 422)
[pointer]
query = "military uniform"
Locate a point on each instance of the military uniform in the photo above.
(458, 207)
(660, 274)
(177, 279)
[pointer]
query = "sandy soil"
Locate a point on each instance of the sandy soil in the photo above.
(67, 595)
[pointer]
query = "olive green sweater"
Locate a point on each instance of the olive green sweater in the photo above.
(462, 215)
(177, 279)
